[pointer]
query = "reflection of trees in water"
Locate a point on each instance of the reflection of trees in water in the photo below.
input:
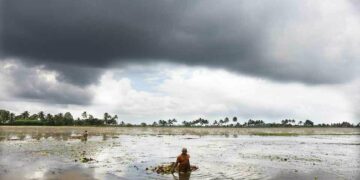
(36, 136)
(14, 136)
(104, 137)
(58, 136)
(22, 136)
(4, 136)
(65, 137)
(46, 135)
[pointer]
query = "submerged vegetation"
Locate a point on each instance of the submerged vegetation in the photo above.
(167, 168)
(67, 119)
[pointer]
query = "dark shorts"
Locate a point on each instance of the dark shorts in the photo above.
(184, 168)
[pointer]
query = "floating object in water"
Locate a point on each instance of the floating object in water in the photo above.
(14, 139)
(166, 168)
(85, 159)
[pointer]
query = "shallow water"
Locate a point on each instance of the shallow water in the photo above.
(52, 155)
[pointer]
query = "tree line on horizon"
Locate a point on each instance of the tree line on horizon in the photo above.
(60, 119)
(67, 119)
(226, 122)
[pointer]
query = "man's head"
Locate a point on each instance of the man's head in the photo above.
(184, 151)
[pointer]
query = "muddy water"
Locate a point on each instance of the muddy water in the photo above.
(55, 155)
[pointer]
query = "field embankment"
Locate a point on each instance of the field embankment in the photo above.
(288, 131)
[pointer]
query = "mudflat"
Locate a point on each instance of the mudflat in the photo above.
(220, 153)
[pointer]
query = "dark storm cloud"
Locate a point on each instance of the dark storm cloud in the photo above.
(33, 84)
(235, 35)
(78, 75)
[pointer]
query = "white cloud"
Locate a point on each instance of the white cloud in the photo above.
(216, 92)
(188, 93)
(185, 93)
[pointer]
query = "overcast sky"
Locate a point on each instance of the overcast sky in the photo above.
(149, 60)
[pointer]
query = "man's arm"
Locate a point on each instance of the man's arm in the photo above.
(175, 165)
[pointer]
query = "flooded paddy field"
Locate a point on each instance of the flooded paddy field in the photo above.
(220, 153)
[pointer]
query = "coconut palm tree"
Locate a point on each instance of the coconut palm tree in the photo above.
(84, 115)
(106, 117)
(25, 115)
(226, 120)
(234, 119)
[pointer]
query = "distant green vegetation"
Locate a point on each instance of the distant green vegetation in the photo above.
(27, 122)
(8, 118)
(67, 119)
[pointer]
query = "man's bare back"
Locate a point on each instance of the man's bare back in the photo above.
(182, 162)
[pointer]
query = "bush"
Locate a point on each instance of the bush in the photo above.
(27, 122)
